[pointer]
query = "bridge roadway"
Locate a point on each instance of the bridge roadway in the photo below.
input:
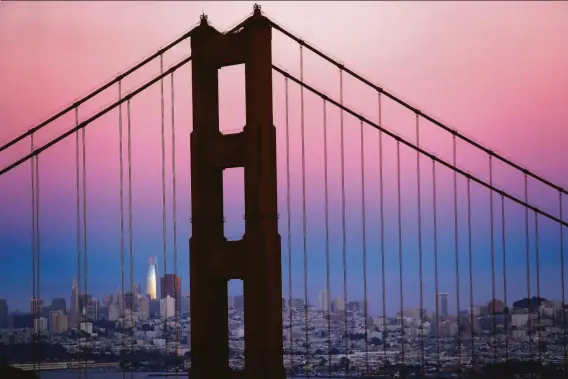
(73, 365)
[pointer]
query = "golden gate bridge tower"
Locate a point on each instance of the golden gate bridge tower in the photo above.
(256, 259)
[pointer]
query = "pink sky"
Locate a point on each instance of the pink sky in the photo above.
(497, 72)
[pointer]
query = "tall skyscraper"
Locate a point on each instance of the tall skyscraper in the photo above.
(74, 311)
(35, 305)
(152, 278)
(170, 285)
(443, 303)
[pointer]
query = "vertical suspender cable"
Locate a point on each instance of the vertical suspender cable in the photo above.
(288, 227)
(470, 255)
(491, 226)
(174, 208)
(34, 243)
(130, 236)
(327, 276)
(503, 229)
(456, 246)
(343, 226)
(38, 253)
(84, 167)
(364, 236)
(305, 248)
(419, 192)
(401, 277)
(164, 230)
(34, 250)
(435, 212)
(382, 231)
(527, 244)
(562, 281)
(539, 320)
(75, 302)
(122, 248)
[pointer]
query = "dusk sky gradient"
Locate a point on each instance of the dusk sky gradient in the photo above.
(497, 72)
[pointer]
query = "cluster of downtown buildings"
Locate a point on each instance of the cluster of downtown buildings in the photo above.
(141, 320)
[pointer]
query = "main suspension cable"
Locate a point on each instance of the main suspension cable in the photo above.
(436, 284)
(327, 269)
(382, 231)
(174, 209)
(122, 242)
(456, 246)
(491, 226)
(364, 237)
(470, 256)
(343, 225)
(289, 226)
(304, 229)
(420, 278)
(400, 270)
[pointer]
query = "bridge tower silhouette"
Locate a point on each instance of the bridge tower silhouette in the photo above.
(256, 259)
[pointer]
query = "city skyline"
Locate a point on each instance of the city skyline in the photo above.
(455, 102)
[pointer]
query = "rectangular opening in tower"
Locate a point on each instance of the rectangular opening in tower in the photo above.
(234, 202)
(232, 111)
(236, 325)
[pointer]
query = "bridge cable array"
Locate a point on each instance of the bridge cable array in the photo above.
(422, 151)
(562, 282)
(439, 124)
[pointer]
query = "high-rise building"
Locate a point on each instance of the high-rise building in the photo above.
(238, 302)
(152, 278)
(170, 285)
(443, 303)
(58, 322)
(323, 300)
(74, 311)
(3, 314)
(167, 306)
